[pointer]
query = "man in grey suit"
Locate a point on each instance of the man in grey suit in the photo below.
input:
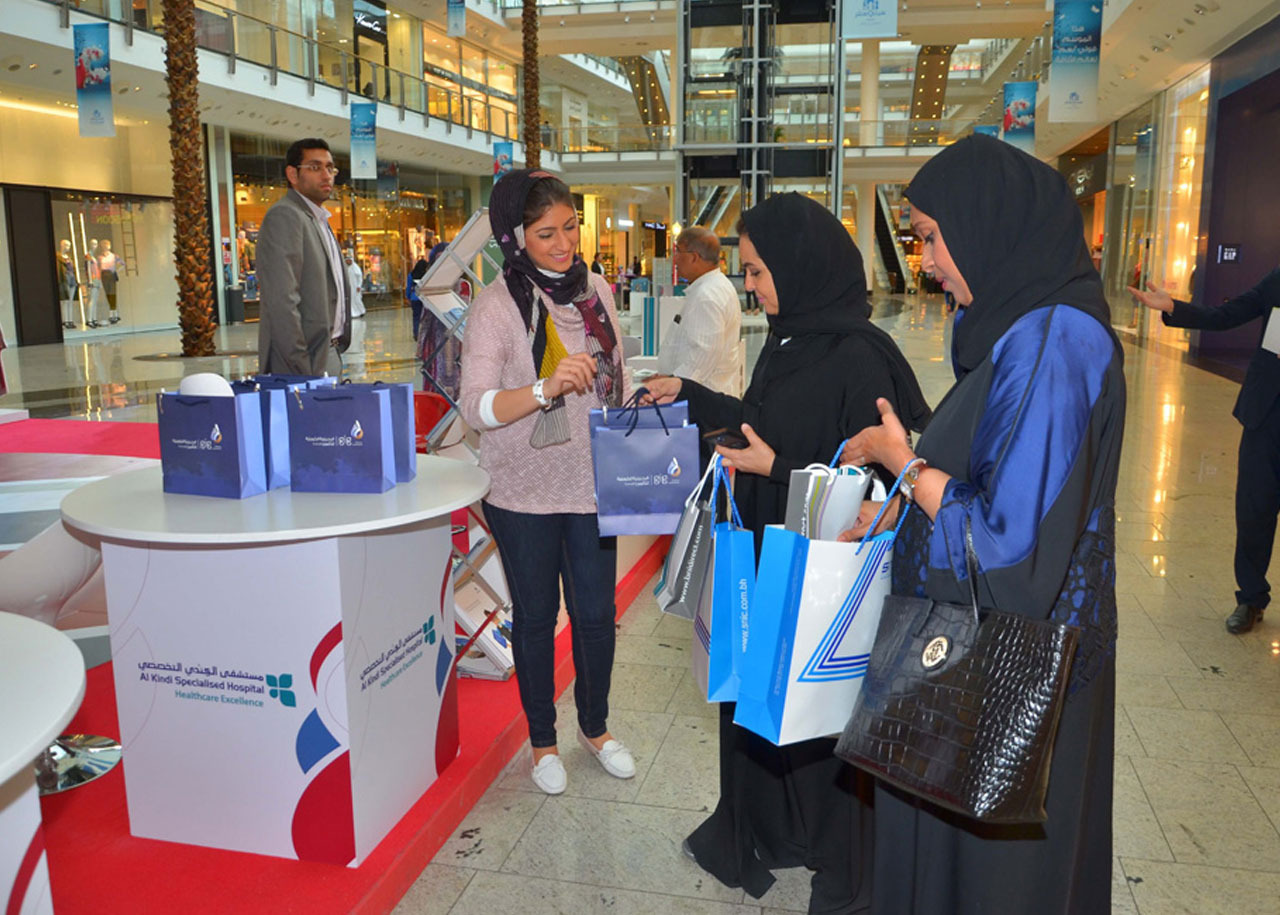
(305, 305)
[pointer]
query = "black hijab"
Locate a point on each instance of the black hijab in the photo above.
(821, 287)
(1016, 236)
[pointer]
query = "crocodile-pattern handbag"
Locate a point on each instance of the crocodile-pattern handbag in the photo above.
(961, 708)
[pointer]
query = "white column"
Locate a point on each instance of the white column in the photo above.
(866, 224)
(869, 94)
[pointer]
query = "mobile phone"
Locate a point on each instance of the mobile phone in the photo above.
(727, 439)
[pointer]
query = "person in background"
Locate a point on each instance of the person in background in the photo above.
(1258, 409)
(1021, 458)
(304, 301)
(411, 293)
(703, 346)
(596, 266)
(540, 352)
(816, 382)
(355, 281)
(635, 268)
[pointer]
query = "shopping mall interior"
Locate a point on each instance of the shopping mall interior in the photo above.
(659, 115)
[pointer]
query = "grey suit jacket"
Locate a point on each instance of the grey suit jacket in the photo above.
(298, 292)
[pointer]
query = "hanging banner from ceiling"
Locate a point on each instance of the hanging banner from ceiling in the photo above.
(92, 45)
(869, 19)
(1073, 75)
(503, 153)
(456, 22)
(1019, 128)
(364, 140)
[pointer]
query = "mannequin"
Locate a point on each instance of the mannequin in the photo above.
(109, 266)
(93, 275)
(67, 284)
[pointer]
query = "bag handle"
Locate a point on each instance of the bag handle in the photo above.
(971, 566)
(631, 410)
(722, 479)
(893, 490)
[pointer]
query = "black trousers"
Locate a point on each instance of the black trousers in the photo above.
(1257, 505)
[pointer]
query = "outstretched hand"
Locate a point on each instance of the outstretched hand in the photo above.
(1156, 298)
(662, 389)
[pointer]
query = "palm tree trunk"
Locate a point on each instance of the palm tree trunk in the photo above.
(190, 222)
(531, 120)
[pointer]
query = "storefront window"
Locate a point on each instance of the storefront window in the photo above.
(1186, 113)
(114, 262)
(1130, 206)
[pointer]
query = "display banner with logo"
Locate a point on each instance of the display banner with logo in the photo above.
(1019, 128)
(869, 19)
(990, 130)
(1077, 45)
(456, 22)
(92, 45)
(24, 865)
(503, 154)
(291, 699)
(364, 140)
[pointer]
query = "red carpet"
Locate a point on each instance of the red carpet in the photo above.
(96, 866)
(76, 436)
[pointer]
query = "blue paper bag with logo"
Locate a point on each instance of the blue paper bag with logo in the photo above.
(643, 474)
(721, 623)
(813, 620)
(341, 440)
(631, 415)
(405, 445)
(275, 430)
(212, 446)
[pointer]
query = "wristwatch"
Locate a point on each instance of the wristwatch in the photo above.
(910, 477)
(537, 392)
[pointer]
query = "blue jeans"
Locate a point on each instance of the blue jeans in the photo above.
(538, 553)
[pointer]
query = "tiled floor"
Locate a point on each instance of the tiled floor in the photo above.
(1197, 783)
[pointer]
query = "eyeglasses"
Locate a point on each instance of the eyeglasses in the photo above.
(314, 166)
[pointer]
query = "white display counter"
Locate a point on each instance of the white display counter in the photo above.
(282, 663)
(41, 684)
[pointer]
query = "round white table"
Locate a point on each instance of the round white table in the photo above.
(42, 682)
(282, 663)
(133, 507)
(41, 685)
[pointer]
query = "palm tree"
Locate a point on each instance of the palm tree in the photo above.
(531, 126)
(190, 222)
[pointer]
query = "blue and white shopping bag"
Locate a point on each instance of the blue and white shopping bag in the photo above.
(405, 445)
(720, 625)
(341, 439)
(212, 446)
(813, 622)
(644, 469)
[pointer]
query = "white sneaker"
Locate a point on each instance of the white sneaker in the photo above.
(613, 757)
(549, 775)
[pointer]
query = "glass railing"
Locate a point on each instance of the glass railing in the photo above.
(905, 132)
(574, 140)
(246, 38)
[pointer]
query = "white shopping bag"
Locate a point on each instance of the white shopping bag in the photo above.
(814, 618)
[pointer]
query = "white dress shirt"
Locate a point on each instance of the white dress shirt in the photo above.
(703, 347)
(337, 269)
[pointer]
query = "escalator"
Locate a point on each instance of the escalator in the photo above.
(888, 249)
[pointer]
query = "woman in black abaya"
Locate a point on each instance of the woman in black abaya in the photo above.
(816, 382)
(1024, 450)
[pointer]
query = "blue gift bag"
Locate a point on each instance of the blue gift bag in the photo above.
(341, 440)
(275, 429)
(212, 446)
(405, 445)
(721, 624)
(281, 380)
(643, 473)
(632, 415)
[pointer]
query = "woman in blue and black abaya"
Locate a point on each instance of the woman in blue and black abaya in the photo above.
(1025, 448)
